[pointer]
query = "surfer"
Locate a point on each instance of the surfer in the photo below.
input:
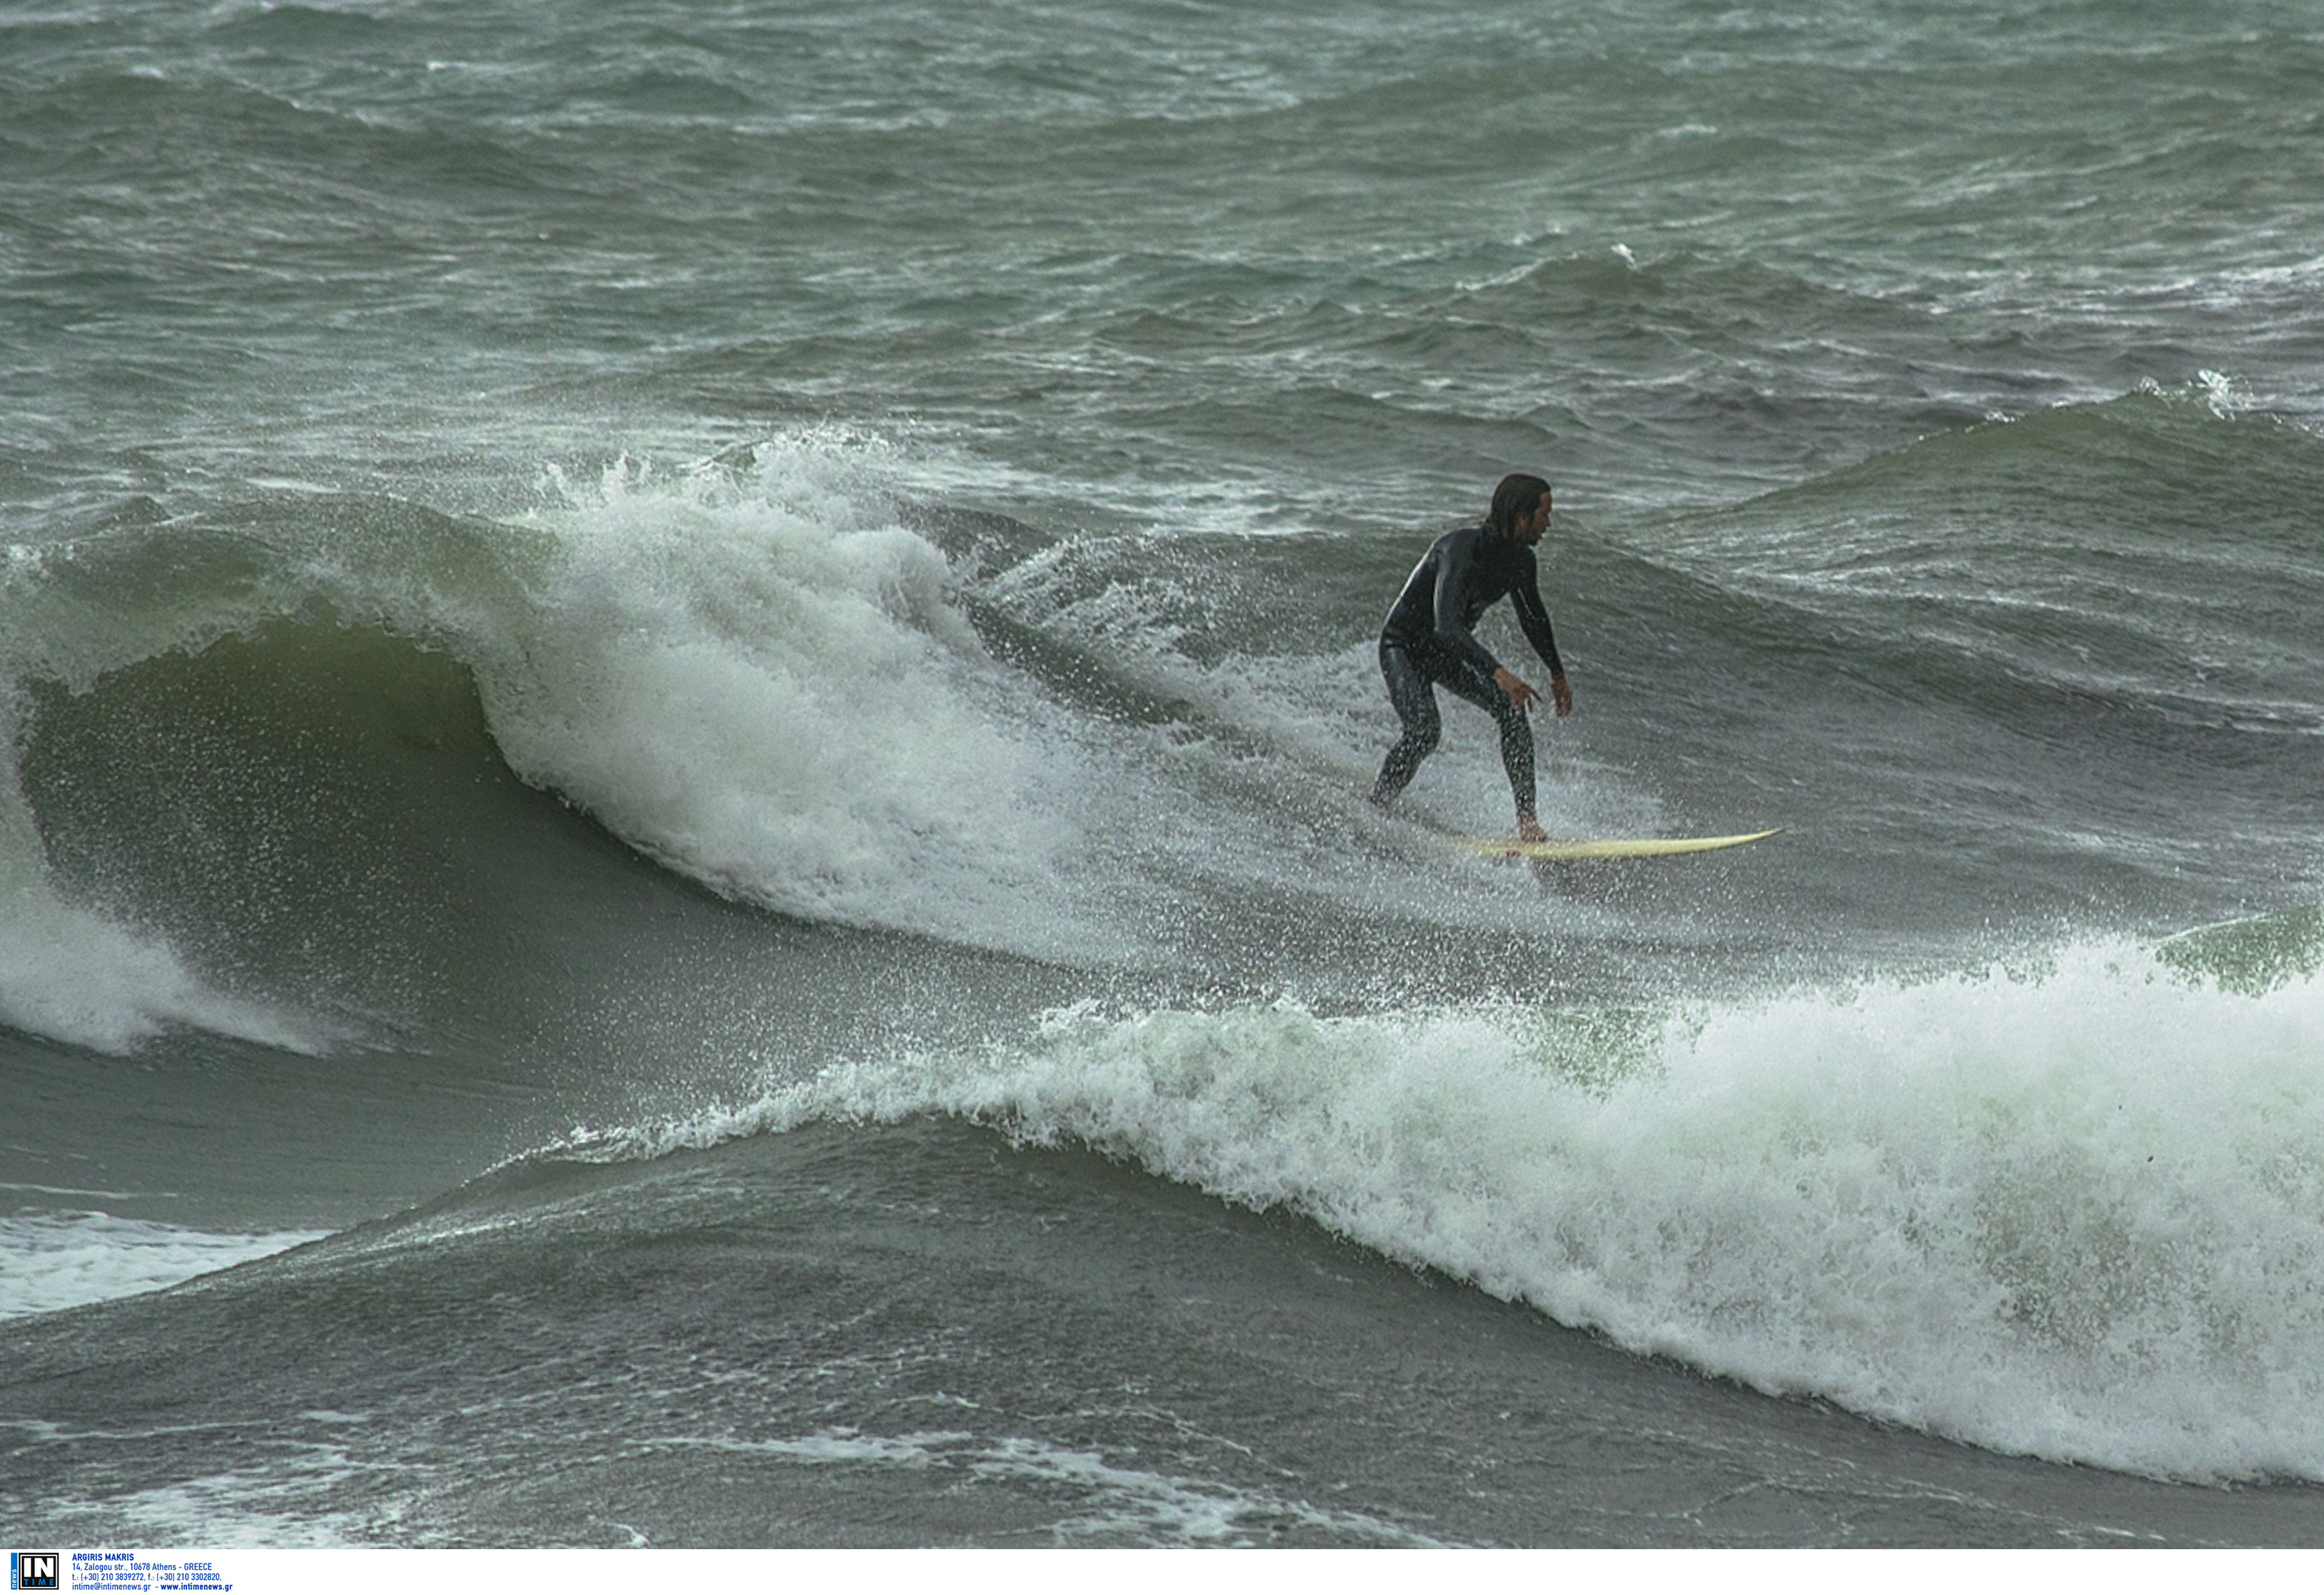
(1429, 641)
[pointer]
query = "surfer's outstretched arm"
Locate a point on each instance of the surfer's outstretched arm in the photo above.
(1533, 615)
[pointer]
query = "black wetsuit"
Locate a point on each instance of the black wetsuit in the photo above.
(1429, 639)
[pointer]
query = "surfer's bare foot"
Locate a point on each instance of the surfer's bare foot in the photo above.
(1529, 829)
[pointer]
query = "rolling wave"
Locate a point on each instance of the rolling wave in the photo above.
(2068, 1210)
(772, 678)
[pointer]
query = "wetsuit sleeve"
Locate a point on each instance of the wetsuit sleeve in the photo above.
(1535, 617)
(1458, 556)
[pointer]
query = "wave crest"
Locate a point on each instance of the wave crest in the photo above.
(2073, 1211)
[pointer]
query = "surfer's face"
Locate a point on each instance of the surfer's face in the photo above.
(1530, 528)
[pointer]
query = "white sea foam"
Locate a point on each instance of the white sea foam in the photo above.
(767, 684)
(54, 1260)
(280, 1505)
(1113, 1503)
(2076, 1213)
(80, 977)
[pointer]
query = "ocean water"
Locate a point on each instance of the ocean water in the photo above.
(687, 696)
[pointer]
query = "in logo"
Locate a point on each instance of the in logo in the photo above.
(34, 1569)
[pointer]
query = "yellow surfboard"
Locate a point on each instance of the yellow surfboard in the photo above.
(1614, 847)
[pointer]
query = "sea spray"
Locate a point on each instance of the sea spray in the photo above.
(764, 680)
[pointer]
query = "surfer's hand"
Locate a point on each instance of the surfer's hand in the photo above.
(1562, 695)
(1521, 694)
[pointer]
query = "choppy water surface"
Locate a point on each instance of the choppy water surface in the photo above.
(688, 695)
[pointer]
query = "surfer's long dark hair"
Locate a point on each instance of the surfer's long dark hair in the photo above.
(1513, 501)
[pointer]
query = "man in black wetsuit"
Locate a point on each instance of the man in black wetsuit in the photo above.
(1429, 639)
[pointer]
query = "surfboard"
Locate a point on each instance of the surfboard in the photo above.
(1609, 847)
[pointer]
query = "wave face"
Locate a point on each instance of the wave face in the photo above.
(645, 652)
